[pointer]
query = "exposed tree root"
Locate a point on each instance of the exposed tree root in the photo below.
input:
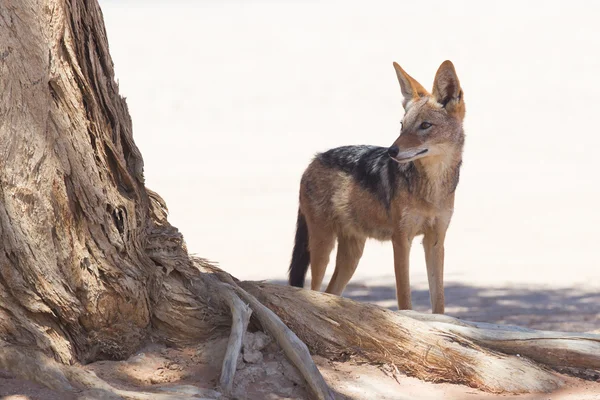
(37, 367)
(431, 347)
(34, 366)
(240, 313)
(90, 266)
(554, 349)
(338, 328)
(294, 348)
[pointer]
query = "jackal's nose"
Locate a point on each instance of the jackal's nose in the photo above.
(393, 151)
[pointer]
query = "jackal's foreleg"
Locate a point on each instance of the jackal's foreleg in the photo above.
(401, 245)
(433, 244)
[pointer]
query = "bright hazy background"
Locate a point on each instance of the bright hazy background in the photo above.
(230, 100)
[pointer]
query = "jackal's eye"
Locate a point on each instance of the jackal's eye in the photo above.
(425, 125)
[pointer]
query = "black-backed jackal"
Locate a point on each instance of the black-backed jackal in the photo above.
(357, 192)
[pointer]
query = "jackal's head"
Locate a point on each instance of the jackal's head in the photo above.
(432, 123)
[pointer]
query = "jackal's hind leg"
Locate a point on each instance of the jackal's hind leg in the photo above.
(321, 244)
(350, 250)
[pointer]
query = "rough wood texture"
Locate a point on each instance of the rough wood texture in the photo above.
(341, 328)
(240, 316)
(90, 266)
(294, 348)
(557, 349)
(85, 249)
(33, 365)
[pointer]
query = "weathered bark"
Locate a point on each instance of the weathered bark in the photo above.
(555, 349)
(340, 328)
(293, 347)
(86, 249)
(90, 266)
(240, 319)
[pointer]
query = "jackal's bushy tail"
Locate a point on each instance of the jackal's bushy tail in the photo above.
(301, 254)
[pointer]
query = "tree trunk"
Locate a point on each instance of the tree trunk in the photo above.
(86, 249)
(90, 267)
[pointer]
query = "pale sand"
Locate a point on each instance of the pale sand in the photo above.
(230, 100)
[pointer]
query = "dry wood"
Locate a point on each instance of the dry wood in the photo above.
(340, 328)
(556, 349)
(90, 266)
(294, 348)
(240, 314)
(35, 366)
(75, 280)
(30, 364)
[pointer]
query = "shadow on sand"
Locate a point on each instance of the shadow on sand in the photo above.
(567, 309)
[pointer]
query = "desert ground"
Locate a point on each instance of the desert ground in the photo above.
(230, 101)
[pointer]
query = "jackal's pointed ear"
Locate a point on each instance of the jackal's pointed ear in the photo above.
(447, 90)
(411, 89)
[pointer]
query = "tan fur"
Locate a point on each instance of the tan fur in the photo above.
(335, 205)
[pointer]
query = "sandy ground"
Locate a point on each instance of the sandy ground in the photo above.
(264, 373)
(230, 100)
